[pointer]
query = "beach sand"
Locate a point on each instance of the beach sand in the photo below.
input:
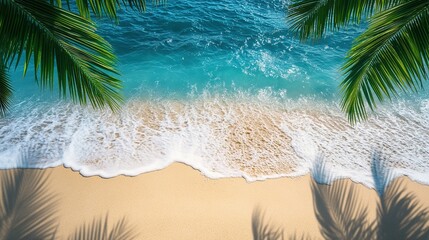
(180, 203)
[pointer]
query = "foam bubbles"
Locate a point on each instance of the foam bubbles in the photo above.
(255, 137)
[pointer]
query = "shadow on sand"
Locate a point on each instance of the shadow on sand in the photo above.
(28, 210)
(341, 215)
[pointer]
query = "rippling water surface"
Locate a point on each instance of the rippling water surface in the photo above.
(224, 87)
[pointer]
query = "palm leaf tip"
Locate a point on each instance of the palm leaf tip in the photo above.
(312, 18)
(55, 39)
(5, 89)
(391, 55)
(109, 8)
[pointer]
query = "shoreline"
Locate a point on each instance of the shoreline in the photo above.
(179, 202)
(243, 177)
(254, 139)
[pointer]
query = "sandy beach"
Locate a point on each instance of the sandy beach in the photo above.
(180, 203)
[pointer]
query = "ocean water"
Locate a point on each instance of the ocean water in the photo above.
(225, 88)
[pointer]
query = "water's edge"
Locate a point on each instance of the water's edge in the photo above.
(254, 138)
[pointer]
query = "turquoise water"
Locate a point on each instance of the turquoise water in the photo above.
(222, 46)
(221, 86)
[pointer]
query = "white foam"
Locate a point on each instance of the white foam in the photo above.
(255, 137)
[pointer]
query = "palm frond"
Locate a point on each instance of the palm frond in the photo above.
(99, 230)
(108, 8)
(5, 88)
(50, 38)
(262, 230)
(400, 216)
(338, 211)
(27, 209)
(312, 18)
(392, 54)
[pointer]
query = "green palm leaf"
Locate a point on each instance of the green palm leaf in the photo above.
(393, 53)
(5, 88)
(105, 7)
(50, 38)
(311, 18)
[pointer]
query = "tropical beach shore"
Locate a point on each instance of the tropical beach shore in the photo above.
(180, 203)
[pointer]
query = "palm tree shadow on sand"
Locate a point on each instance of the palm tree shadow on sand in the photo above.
(28, 210)
(341, 215)
(99, 230)
(264, 230)
(399, 213)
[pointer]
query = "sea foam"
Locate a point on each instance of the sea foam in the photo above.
(255, 137)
